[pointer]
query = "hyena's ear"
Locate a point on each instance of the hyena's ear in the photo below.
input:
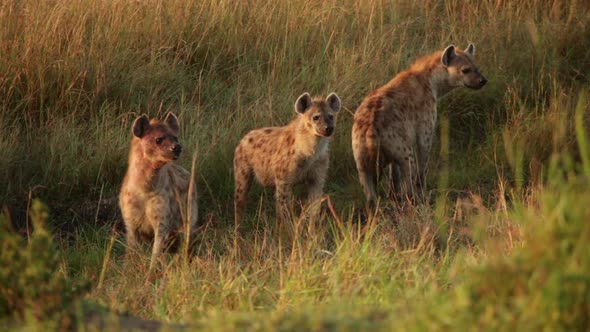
(172, 121)
(141, 125)
(334, 102)
(470, 50)
(303, 103)
(447, 55)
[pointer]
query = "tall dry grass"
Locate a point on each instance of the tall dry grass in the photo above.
(74, 74)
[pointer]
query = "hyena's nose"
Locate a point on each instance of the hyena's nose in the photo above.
(482, 81)
(176, 148)
(329, 130)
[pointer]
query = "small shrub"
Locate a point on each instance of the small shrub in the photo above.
(30, 280)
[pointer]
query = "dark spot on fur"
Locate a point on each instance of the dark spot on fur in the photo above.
(300, 163)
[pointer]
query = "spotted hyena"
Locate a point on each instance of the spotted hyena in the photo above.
(284, 156)
(395, 124)
(155, 190)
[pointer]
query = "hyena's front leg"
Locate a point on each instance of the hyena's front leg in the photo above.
(316, 181)
(283, 197)
(194, 226)
(158, 212)
(423, 156)
(157, 247)
(165, 239)
(131, 234)
(132, 216)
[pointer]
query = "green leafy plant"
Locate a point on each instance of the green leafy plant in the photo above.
(30, 279)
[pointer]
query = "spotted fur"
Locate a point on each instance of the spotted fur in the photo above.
(395, 124)
(284, 156)
(155, 189)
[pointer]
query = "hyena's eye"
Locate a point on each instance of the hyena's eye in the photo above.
(330, 117)
(159, 140)
(466, 70)
(316, 117)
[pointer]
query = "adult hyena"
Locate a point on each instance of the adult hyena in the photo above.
(395, 124)
(284, 156)
(158, 196)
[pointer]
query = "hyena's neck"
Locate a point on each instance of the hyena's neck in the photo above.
(141, 171)
(439, 81)
(433, 75)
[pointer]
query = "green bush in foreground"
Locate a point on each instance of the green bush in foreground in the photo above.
(545, 284)
(30, 280)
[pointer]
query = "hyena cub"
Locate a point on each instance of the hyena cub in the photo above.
(395, 124)
(284, 156)
(157, 195)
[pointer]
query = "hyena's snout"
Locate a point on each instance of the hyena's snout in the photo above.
(482, 81)
(176, 150)
(328, 130)
(476, 81)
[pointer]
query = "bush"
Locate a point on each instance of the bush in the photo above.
(30, 280)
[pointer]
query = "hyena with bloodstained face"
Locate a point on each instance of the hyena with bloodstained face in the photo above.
(157, 196)
(395, 124)
(284, 156)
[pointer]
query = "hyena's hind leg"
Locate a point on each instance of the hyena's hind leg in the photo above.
(366, 165)
(408, 178)
(395, 182)
(243, 180)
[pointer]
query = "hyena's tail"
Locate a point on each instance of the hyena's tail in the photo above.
(365, 152)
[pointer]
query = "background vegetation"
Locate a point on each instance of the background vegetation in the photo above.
(502, 245)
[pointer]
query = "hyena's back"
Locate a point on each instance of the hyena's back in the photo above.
(258, 153)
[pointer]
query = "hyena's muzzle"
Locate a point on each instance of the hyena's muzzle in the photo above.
(476, 81)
